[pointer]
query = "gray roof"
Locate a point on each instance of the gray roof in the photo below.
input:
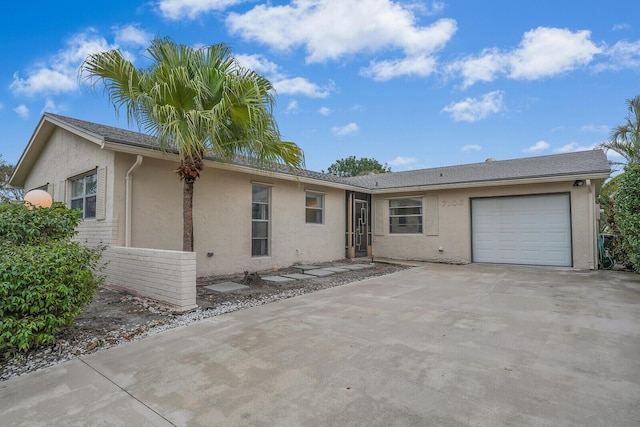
(137, 139)
(582, 163)
(592, 162)
(110, 133)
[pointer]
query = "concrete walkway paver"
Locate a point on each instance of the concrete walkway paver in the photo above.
(224, 287)
(320, 272)
(336, 269)
(278, 279)
(299, 276)
(442, 345)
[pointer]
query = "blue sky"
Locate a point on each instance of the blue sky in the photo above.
(414, 84)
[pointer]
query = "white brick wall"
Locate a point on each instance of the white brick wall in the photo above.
(95, 233)
(167, 276)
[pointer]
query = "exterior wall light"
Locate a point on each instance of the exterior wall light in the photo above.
(578, 183)
(38, 199)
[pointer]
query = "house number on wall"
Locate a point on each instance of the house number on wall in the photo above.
(449, 203)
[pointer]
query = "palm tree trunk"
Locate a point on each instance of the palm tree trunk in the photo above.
(187, 215)
(189, 171)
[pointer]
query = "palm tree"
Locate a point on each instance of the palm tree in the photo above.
(196, 102)
(625, 139)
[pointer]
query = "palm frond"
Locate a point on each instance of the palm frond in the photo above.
(197, 101)
(625, 139)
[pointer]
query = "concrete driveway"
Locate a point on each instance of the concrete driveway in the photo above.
(441, 345)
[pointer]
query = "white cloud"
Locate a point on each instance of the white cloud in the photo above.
(22, 111)
(60, 75)
(613, 155)
(293, 106)
(331, 29)
(572, 147)
(622, 55)
(324, 111)
(259, 64)
(436, 8)
(402, 161)
(538, 146)
(179, 9)
(420, 66)
(474, 109)
(281, 83)
(44, 80)
(482, 68)
(50, 106)
(618, 27)
(132, 35)
(595, 128)
(470, 147)
(345, 130)
(301, 86)
(543, 52)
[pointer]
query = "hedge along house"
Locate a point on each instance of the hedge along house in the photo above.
(539, 210)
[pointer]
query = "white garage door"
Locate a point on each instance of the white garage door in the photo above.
(534, 230)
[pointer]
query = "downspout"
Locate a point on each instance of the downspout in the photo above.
(593, 262)
(127, 214)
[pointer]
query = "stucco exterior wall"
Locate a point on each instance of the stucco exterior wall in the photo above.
(65, 156)
(122, 163)
(222, 212)
(222, 219)
(454, 223)
(156, 205)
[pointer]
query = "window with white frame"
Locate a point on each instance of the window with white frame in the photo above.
(260, 201)
(83, 195)
(314, 208)
(405, 216)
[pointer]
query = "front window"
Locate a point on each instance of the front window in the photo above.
(83, 195)
(314, 208)
(260, 220)
(405, 216)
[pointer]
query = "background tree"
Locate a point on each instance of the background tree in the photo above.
(197, 102)
(606, 201)
(356, 167)
(8, 194)
(627, 212)
(608, 224)
(625, 139)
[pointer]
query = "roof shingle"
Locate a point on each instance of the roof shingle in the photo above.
(578, 163)
(592, 162)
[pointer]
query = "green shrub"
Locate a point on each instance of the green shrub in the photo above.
(627, 212)
(21, 225)
(45, 277)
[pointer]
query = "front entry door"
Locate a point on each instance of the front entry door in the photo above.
(361, 237)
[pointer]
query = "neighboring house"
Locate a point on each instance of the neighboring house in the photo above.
(537, 210)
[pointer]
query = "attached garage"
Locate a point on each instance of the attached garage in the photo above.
(532, 230)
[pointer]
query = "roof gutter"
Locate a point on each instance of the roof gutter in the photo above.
(159, 154)
(492, 183)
